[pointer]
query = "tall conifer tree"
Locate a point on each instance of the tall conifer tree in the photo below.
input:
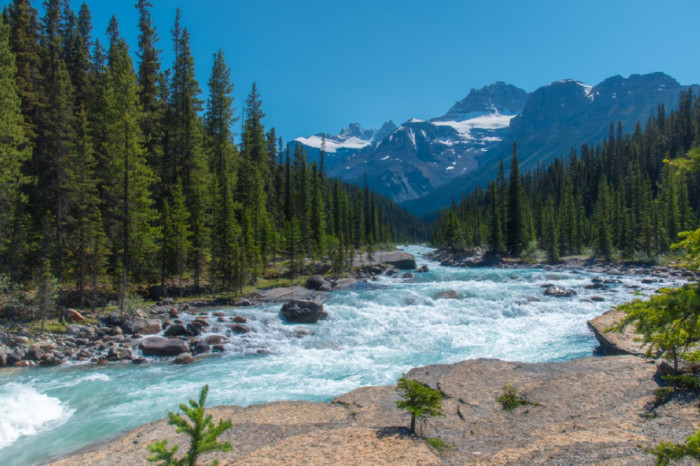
(516, 234)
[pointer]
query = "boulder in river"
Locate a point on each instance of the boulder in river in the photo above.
(176, 330)
(141, 325)
(159, 346)
(315, 282)
(399, 259)
(447, 294)
(303, 311)
(184, 358)
(422, 269)
(559, 292)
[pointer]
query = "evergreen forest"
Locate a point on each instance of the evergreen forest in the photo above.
(623, 198)
(116, 173)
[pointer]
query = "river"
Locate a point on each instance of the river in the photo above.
(373, 334)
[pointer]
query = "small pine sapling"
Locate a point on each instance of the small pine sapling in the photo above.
(202, 432)
(421, 401)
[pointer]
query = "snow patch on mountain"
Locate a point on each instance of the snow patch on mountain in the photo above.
(332, 144)
(490, 121)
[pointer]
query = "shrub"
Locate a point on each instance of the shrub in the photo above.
(665, 452)
(202, 432)
(510, 398)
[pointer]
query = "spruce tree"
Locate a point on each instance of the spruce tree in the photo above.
(55, 143)
(222, 160)
(131, 215)
(186, 151)
(14, 151)
(87, 235)
(516, 232)
(148, 77)
(24, 40)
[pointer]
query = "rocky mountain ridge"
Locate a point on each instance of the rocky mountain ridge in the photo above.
(424, 164)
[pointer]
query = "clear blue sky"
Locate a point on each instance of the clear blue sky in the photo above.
(322, 64)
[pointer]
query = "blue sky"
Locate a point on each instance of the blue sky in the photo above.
(322, 64)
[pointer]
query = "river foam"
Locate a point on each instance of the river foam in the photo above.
(25, 411)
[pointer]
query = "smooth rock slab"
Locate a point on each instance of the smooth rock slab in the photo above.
(159, 346)
(592, 411)
(612, 342)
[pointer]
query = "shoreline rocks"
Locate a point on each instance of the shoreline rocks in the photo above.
(612, 342)
(593, 410)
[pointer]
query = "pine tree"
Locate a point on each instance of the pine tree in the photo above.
(496, 241)
(14, 151)
(176, 238)
(222, 159)
(603, 235)
(251, 182)
(148, 76)
(318, 221)
(186, 149)
(131, 215)
(87, 235)
(55, 142)
(516, 232)
(24, 40)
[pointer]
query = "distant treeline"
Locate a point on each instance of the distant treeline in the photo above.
(617, 197)
(112, 175)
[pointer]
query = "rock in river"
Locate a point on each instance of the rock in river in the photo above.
(303, 311)
(400, 260)
(159, 346)
(559, 292)
(315, 282)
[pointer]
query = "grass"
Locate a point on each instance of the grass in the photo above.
(50, 326)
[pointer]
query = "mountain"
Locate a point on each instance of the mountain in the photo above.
(424, 164)
(349, 140)
(561, 116)
(418, 156)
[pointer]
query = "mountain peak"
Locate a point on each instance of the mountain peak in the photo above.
(497, 97)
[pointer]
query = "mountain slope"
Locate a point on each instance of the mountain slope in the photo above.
(560, 116)
(415, 158)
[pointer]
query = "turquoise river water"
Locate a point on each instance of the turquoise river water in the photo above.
(373, 334)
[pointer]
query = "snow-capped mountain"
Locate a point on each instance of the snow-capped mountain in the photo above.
(424, 164)
(561, 116)
(348, 141)
(411, 160)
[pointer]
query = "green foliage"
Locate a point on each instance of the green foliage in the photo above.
(203, 434)
(121, 178)
(510, 398)
(690, 245)
(685, 381)
(421, 401)
(661, 395)
(438, 444)
(15, 300)
(667, 322)
(617, 197)
(666, 452)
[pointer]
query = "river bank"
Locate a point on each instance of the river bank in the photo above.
(591, 410)
(107, 338)
(374, 332)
